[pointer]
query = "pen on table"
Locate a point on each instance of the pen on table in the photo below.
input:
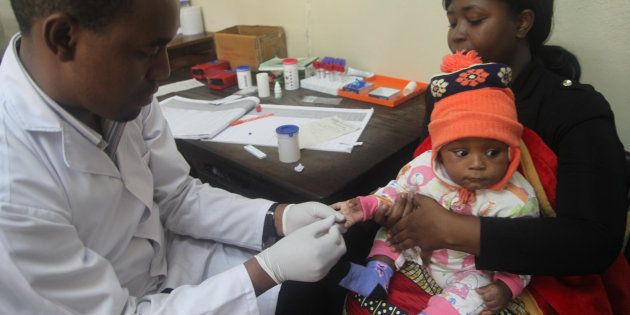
(240, 121)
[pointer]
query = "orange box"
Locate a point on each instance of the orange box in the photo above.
(384, 81)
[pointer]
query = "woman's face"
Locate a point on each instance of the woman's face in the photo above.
(486, 26)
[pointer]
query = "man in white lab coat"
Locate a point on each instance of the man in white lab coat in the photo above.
(97, 211)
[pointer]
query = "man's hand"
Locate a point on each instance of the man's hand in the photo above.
(295, 216)
(351, 210)
(307, 254)
(496, 296)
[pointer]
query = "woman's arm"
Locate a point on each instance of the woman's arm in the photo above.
(584, 238)
(431, 227)
(591, 208)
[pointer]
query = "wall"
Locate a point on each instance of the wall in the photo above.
(407, 38)
(8, 24)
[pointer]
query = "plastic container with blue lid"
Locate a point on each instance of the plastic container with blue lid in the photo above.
(244, 76)
(288, 143)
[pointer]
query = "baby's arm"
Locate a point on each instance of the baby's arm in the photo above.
(351, 210)
(360, 208)
(496, 297)
(363, 208)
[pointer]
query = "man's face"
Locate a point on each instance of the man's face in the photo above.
(115, 70)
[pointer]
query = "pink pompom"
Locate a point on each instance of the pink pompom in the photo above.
(460, 60)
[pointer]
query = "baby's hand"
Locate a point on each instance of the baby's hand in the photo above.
(351, 209)
(496, 297)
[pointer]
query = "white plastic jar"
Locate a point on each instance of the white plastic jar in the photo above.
(262, 82)
(288, 143)
(243, 76)
(291, 75)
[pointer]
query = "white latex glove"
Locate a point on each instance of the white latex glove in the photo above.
(298, 215)
(305, 255)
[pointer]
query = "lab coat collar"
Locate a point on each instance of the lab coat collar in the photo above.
(37, 112)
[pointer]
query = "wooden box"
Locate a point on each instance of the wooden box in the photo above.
(250, 45)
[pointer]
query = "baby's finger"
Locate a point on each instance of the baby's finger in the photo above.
(337, 205)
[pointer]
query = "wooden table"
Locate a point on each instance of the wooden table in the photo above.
(388, 142)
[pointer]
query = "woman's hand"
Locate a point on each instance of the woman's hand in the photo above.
(388, 217)
(430, 227)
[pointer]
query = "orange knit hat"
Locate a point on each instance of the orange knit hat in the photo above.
(473, 100)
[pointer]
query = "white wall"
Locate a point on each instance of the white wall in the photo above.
(8, 24)
(408, 38)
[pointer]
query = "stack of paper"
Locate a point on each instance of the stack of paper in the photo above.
(195, 119)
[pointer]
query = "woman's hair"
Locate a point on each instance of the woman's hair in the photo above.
(555, 58)
(93, 14)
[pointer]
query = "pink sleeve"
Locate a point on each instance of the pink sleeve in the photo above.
(369, 205)
(380, 248)
(516, 283)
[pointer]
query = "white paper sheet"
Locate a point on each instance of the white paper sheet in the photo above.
(323, 130)
(178, 86)
(262, 132)
(197, 119)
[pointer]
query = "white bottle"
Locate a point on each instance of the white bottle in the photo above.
(190, 17)
(243, 76)
(262, 82)
(277, 90)
(291, 75)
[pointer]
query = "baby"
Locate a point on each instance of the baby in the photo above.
(470, 170)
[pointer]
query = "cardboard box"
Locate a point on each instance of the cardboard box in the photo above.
(250, 45)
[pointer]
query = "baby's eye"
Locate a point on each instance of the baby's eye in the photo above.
(460, 153)
(493, 152)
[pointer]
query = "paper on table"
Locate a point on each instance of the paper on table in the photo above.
(196, 124)
(262, 132)
(194, 119)
(322, 130)
(178, 86)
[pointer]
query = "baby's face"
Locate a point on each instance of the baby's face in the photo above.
(475, 163)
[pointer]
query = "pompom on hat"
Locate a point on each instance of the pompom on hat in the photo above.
(473, 100)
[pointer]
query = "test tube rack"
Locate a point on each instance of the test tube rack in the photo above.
(327, 85)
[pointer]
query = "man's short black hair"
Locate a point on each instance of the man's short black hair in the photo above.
(92, 14)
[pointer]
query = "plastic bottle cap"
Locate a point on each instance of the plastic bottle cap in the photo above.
(289, 130)
(242, 68)
(289, 61)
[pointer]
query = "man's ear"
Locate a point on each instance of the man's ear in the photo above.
(525, 21)
(60, 35)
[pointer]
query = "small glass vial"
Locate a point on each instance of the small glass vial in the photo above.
(291, 76)
(288, 143)
(277, 90)
(243, 76)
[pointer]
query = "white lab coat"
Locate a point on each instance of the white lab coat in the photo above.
(80, 235)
